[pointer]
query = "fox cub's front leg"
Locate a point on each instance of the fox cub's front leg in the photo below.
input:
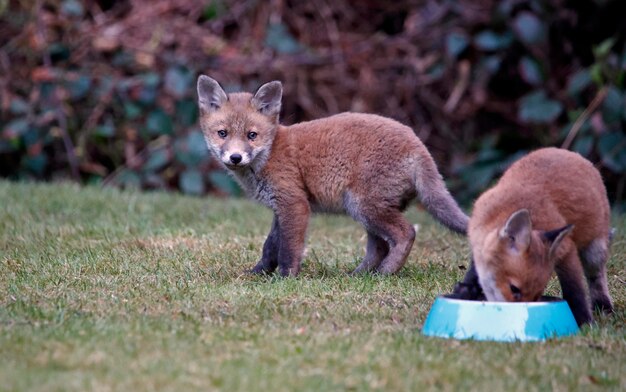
(285, 243)
(269, 258)
(570, 274)
(293, 218)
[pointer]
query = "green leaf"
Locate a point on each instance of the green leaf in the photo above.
(36, 164)
(191, 150)
(129, 179)
(530, 71)
(18, 106)
(6, 146)
(505, 7)
(612, 150)
(131, 110)
(31, 137)
(58, 52)
(224, 183)
(47, 91)
(191, 182)
(456, 43)
(186, 112)
(103, 88)
(122, 59)
(537, 108)
(489, 40)
(478, 176)
(573, 116)
(488, 165)
(78, 87)
(529, 28)
(280, 39)
(604, 48)
(489, 155)
(584, 145)
(579, 81)
(613, 105)
(178, 81)
(213, 10)
(490, 64)
(152, 180)
(105, 130)
(147, 95)
(159, 123)
(436, 71)
(15, 128)
(596, 74)
(72, 8)
(151, 79)
(157, 160)
(94, 180)
(149, 88)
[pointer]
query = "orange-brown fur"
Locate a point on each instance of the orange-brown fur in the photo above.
(514, 257)
(365, 165)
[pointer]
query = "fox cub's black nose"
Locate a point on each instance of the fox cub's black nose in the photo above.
(235, 158)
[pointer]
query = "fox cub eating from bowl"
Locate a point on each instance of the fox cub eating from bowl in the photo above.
(548, 212)
(364, 165)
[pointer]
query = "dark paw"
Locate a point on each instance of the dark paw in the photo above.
(468, 291)
(259, 269)
(603, 306)
(289, 272)
(583, 320)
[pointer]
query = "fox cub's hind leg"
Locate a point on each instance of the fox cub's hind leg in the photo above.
(376, 251)
(594, 258)
(397, 232)
(269, 258)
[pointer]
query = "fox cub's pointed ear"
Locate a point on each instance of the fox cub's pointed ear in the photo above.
(517, 230)
(554, 238)
(268, 98)
(211, 95)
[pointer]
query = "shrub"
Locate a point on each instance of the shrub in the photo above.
(104, 92)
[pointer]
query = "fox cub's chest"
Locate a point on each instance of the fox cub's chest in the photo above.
(258, 188)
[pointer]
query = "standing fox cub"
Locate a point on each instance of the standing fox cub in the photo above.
(549, 211)
(367, 166)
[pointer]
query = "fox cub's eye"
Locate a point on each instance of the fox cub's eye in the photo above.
(222, 133)
(517, 293)
(252, 135)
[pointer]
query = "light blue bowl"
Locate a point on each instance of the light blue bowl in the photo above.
(500, 321)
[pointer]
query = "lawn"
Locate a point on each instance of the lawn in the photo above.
(109, 290)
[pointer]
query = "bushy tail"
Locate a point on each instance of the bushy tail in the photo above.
(435, 197)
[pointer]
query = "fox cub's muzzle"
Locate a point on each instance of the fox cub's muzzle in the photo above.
(235, 159)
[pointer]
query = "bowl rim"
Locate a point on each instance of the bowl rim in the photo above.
(545, 301)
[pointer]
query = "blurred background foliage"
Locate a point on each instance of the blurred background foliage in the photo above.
(103, 91)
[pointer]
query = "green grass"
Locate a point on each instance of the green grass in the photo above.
(108, 290)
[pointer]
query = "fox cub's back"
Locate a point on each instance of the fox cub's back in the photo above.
(557, 186)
